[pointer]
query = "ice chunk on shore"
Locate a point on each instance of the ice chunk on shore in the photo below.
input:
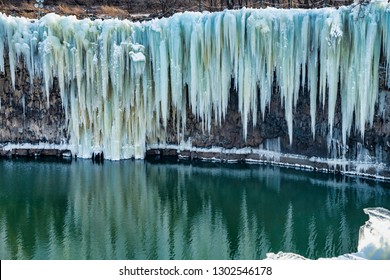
(374, 236)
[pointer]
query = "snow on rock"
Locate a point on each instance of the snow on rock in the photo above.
(120, 81)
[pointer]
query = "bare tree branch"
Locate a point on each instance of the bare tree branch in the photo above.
(167, 5)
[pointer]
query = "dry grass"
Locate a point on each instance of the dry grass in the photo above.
(111, 11)
(25, 10)
(28, 10)
(26, 6)
(69, 10)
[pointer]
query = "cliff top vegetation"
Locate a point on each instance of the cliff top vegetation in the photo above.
(143, 9)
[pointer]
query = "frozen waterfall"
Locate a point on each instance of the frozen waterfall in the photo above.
(122, 82)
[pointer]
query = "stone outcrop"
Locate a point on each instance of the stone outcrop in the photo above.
(25, 114)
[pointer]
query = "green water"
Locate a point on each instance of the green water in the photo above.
(141, 210)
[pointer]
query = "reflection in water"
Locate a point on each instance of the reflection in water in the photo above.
(288, 238)
(139, 210)
(330, 248)
(311, 243)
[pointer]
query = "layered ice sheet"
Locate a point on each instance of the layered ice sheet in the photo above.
(374, 239)
(121, 82)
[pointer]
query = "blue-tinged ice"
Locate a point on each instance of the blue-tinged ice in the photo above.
(121, 82)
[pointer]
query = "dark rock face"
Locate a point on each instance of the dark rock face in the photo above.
(25, 115)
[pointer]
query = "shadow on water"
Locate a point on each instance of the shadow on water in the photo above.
(169, 210)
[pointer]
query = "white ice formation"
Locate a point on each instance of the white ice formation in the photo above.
(374, 239)
(121, 82)
(374, 236)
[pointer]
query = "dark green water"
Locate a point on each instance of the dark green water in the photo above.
(140, 210)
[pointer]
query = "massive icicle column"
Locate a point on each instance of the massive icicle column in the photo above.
(121, 82)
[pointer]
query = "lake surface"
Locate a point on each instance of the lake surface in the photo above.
(143, 210)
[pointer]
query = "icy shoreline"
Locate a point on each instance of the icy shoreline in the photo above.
(361, 168)
(365, 169)
(35, 150)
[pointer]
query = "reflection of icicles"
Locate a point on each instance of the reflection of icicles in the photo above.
(163, 238)
(67, 241)
(264, 244)
(330, 247)
(335, 200)
(345, 235)
(364, 193)
(180, 248)
(120, 211)
(338, 186)
(4, 248)
(20, 252)
(95, 212)
(244, 247)
(251, 236)
(54, 251)
(312, 240)
(272, 177)
(328, 204)
(209, 238)
(288, 235)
